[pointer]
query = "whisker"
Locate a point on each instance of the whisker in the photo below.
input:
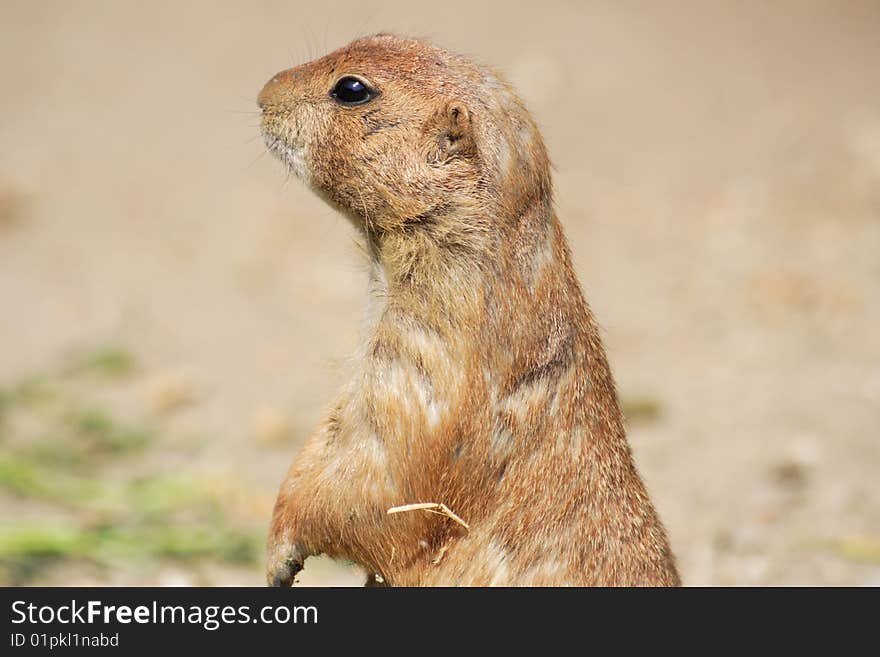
(257, 158)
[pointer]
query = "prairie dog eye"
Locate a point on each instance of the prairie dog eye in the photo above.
(352, 91)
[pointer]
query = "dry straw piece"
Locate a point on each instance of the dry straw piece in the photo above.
(432, 507)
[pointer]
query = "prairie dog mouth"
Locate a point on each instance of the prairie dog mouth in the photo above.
(290, 152)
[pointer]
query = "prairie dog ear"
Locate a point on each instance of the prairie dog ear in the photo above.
(452, 132)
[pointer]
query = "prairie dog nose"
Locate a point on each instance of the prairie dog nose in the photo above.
(274, 91)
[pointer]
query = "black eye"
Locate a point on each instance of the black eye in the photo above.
(352, 91)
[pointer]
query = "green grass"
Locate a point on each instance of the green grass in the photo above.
(108, 361)
(26, 549)
(65, 541)
(100, 433)
(150, 518)
(20, 476)
(74, 468)
(29, 392)
(860, 549)
(641, 410)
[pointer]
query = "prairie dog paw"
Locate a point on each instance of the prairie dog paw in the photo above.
(284, 565)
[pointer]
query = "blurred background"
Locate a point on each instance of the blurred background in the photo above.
(175, 310)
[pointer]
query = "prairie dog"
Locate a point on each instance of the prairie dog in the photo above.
(481, 383)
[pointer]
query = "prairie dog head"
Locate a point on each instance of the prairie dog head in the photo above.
(396, 132)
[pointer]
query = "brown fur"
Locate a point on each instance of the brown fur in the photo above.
(481, 382)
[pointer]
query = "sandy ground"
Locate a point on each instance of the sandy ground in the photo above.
(717, 172)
